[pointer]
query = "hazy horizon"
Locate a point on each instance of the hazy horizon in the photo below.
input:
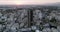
(27, 2)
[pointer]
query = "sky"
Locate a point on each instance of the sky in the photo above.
(26, 2)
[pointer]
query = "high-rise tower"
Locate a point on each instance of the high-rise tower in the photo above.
(30, 17)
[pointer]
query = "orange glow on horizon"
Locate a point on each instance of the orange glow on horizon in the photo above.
(18, 3)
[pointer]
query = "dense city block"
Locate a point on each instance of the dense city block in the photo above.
(30, 19)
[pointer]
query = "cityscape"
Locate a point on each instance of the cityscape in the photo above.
(30, 19)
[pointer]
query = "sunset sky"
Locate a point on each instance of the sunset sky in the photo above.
(26, 2)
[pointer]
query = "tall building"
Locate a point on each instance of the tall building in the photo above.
(30, 17)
